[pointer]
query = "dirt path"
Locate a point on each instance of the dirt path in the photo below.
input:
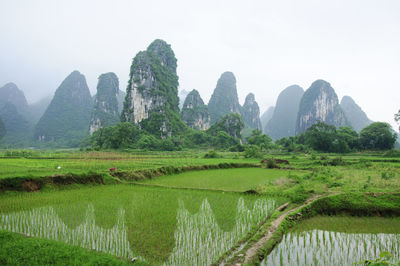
(252, 251)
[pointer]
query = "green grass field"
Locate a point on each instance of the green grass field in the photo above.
(239, 180)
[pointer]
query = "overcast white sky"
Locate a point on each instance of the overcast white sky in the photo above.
(268, 45)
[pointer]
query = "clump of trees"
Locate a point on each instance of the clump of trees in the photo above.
(326, 138)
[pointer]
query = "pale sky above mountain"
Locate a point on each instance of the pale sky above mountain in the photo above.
(268, 45)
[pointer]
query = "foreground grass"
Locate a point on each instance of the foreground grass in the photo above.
(239, 180)
(16, 249)
(150, 214)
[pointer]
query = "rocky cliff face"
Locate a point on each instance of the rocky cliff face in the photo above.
(355, 115)
(319, 103)
(69, 111)
(12, 94)
(283, 121)
(152, 93)
(105, 110)
(251, 112)
(266, 116)
(224, 99)
(194, 112)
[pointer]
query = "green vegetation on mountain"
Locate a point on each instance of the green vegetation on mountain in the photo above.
(194, 112)
(251, 112)
(354, 114)
(224, 99)
(152, 93)
(105, 111)
(283, 121)
(319, 103)
(66, 120)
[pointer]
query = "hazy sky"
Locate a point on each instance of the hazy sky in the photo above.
(268, 45)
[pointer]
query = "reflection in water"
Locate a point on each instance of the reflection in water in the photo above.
(198, 238)
(45, 223)
(200, 241)
(319, 247)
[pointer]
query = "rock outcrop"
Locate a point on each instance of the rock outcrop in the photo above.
(69, 112)
(319, 103)
(266, 116)
(152, 94)
(105, 110)
(283, 121)
(194, 112)
(354, 114)
(224, 99)
(251, 112)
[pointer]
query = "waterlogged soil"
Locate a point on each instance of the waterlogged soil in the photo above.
(342, 240)
(158, 225)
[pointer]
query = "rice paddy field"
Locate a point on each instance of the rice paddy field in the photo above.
(194, 217)
(326, 240)
(156, 225)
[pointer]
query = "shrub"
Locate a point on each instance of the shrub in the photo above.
(252, 151)
(211, 154)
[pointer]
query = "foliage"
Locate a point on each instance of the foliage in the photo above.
(377, 136)
(259, 139)
(211, 154)
(252, 151)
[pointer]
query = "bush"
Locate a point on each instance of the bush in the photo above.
(211, 154)
(252, 151)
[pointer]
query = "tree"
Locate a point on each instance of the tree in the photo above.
(321, 136)
(349, 136)
(397, 118)
(377, 136)
(258, 138)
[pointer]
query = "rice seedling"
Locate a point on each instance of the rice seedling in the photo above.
(158, 225)
(340, 249)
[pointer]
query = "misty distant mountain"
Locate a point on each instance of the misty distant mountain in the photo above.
(355, 115)
(67, 116)
(182, 96)
(194, 112)
(38, 108)
(283, 121)
(266, 116)
(251, 112)
(11, 93)
(17, 126)
(319, 103)
(105, 110)
(224, 99)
